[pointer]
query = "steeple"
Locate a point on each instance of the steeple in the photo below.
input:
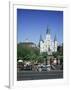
(48, 31)
(40, 41)
(41, 38)
(55, 38)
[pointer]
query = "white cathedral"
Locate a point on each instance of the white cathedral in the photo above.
(48, 45)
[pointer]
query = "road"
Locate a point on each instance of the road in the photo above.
(34, 75)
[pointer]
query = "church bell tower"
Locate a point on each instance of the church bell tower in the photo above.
(48, 34)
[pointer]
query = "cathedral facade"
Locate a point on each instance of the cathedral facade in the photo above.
(47, 45)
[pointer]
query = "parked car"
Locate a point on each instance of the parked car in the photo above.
(27, 67)
(43, 68)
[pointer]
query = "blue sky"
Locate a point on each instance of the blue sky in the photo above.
(33, 23)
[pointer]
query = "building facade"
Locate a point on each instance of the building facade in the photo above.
(47, 45)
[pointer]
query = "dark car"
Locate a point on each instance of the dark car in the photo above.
(27, 67)
(43, 68)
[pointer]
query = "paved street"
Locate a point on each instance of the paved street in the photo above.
(32, 75)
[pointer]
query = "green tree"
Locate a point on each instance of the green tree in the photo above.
(59, 53)
(27, 53)
(45, 56)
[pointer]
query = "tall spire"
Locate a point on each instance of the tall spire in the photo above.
(48, 31)
(55, 38)
(41, 38)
